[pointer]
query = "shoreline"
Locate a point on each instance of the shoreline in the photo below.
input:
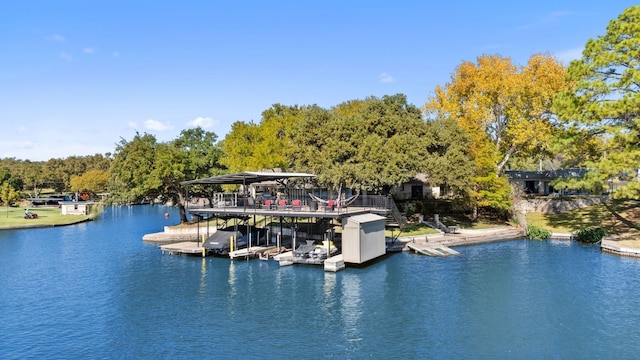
(41, 225)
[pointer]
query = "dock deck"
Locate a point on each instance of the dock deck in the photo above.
(432, 249)
(183, 248)
(253, 252)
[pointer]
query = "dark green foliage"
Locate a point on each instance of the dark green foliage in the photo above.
(372, 144)
(538, 233)
(591, 235)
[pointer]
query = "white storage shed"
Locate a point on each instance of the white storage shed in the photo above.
(363, 238)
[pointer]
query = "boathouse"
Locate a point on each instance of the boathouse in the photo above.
(300, 226)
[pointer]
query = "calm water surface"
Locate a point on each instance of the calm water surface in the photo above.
(95, 290)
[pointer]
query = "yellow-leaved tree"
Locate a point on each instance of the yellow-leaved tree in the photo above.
(506, 111)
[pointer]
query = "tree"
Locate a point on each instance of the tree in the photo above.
(133, 162)
(449, 160)
(506, 111)
(601, 109)
(143, 168)
(194, 154)
(8, 195)
(33, 177)
(266, 145)
(370, 144)
(237, 147)
(92, 180)
(510, 106)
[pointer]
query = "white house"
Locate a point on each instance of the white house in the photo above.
(75, 207)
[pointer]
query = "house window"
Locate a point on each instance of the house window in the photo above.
(531, 187)
(416, 191)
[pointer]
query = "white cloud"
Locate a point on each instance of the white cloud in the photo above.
(548, 19)
(386, 78)
(156, 125)
(566, 56)
(66, 56)
(132, 124)
(56, 38)
(555, 15)
(23, 144)
(203, 122)
(89, 50)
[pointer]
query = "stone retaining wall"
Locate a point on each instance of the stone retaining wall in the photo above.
(555, 205)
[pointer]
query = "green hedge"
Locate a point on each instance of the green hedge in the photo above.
(592, 235)
(538, 233)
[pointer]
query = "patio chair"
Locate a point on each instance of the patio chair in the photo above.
(330, 205)
(267, 204)
(296, 205)
(282, 204)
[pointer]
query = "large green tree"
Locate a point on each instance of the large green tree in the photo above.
(601, 110)
(371, 144)
(449, 162)
(266, 145)
(143, 168)
(133, 161)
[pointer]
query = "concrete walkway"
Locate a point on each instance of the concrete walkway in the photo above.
(461, 237)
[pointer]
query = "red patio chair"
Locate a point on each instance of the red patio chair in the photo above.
(267, 204)
(282, 204)
(330, 205)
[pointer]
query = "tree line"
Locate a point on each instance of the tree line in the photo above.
(491, 116)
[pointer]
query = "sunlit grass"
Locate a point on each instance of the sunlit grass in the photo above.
(621, 218)
(411, 230)
(14, 217)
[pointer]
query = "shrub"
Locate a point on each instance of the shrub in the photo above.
(592, 235)
(538, 233)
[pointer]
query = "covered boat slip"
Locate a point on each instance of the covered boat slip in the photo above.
(298, 211)
(300, 205)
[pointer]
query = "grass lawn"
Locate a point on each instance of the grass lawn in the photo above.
(412, 230)
(14, 217)
(620, 218)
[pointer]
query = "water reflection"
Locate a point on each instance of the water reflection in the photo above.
(203, 277)
(351, 307)
(329, 291)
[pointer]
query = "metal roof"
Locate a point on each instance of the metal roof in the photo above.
(246, 178)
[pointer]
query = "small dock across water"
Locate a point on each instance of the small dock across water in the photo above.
(183, 248)
(432, 249)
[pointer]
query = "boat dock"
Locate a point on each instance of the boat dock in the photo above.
(333, 264)
(184, 248)
(432, 249)
(263, 252)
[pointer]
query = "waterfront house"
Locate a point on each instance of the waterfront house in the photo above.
(538, 182)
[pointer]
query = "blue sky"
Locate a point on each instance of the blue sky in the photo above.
(77, 76)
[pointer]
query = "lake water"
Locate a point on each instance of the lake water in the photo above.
(95, 290)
